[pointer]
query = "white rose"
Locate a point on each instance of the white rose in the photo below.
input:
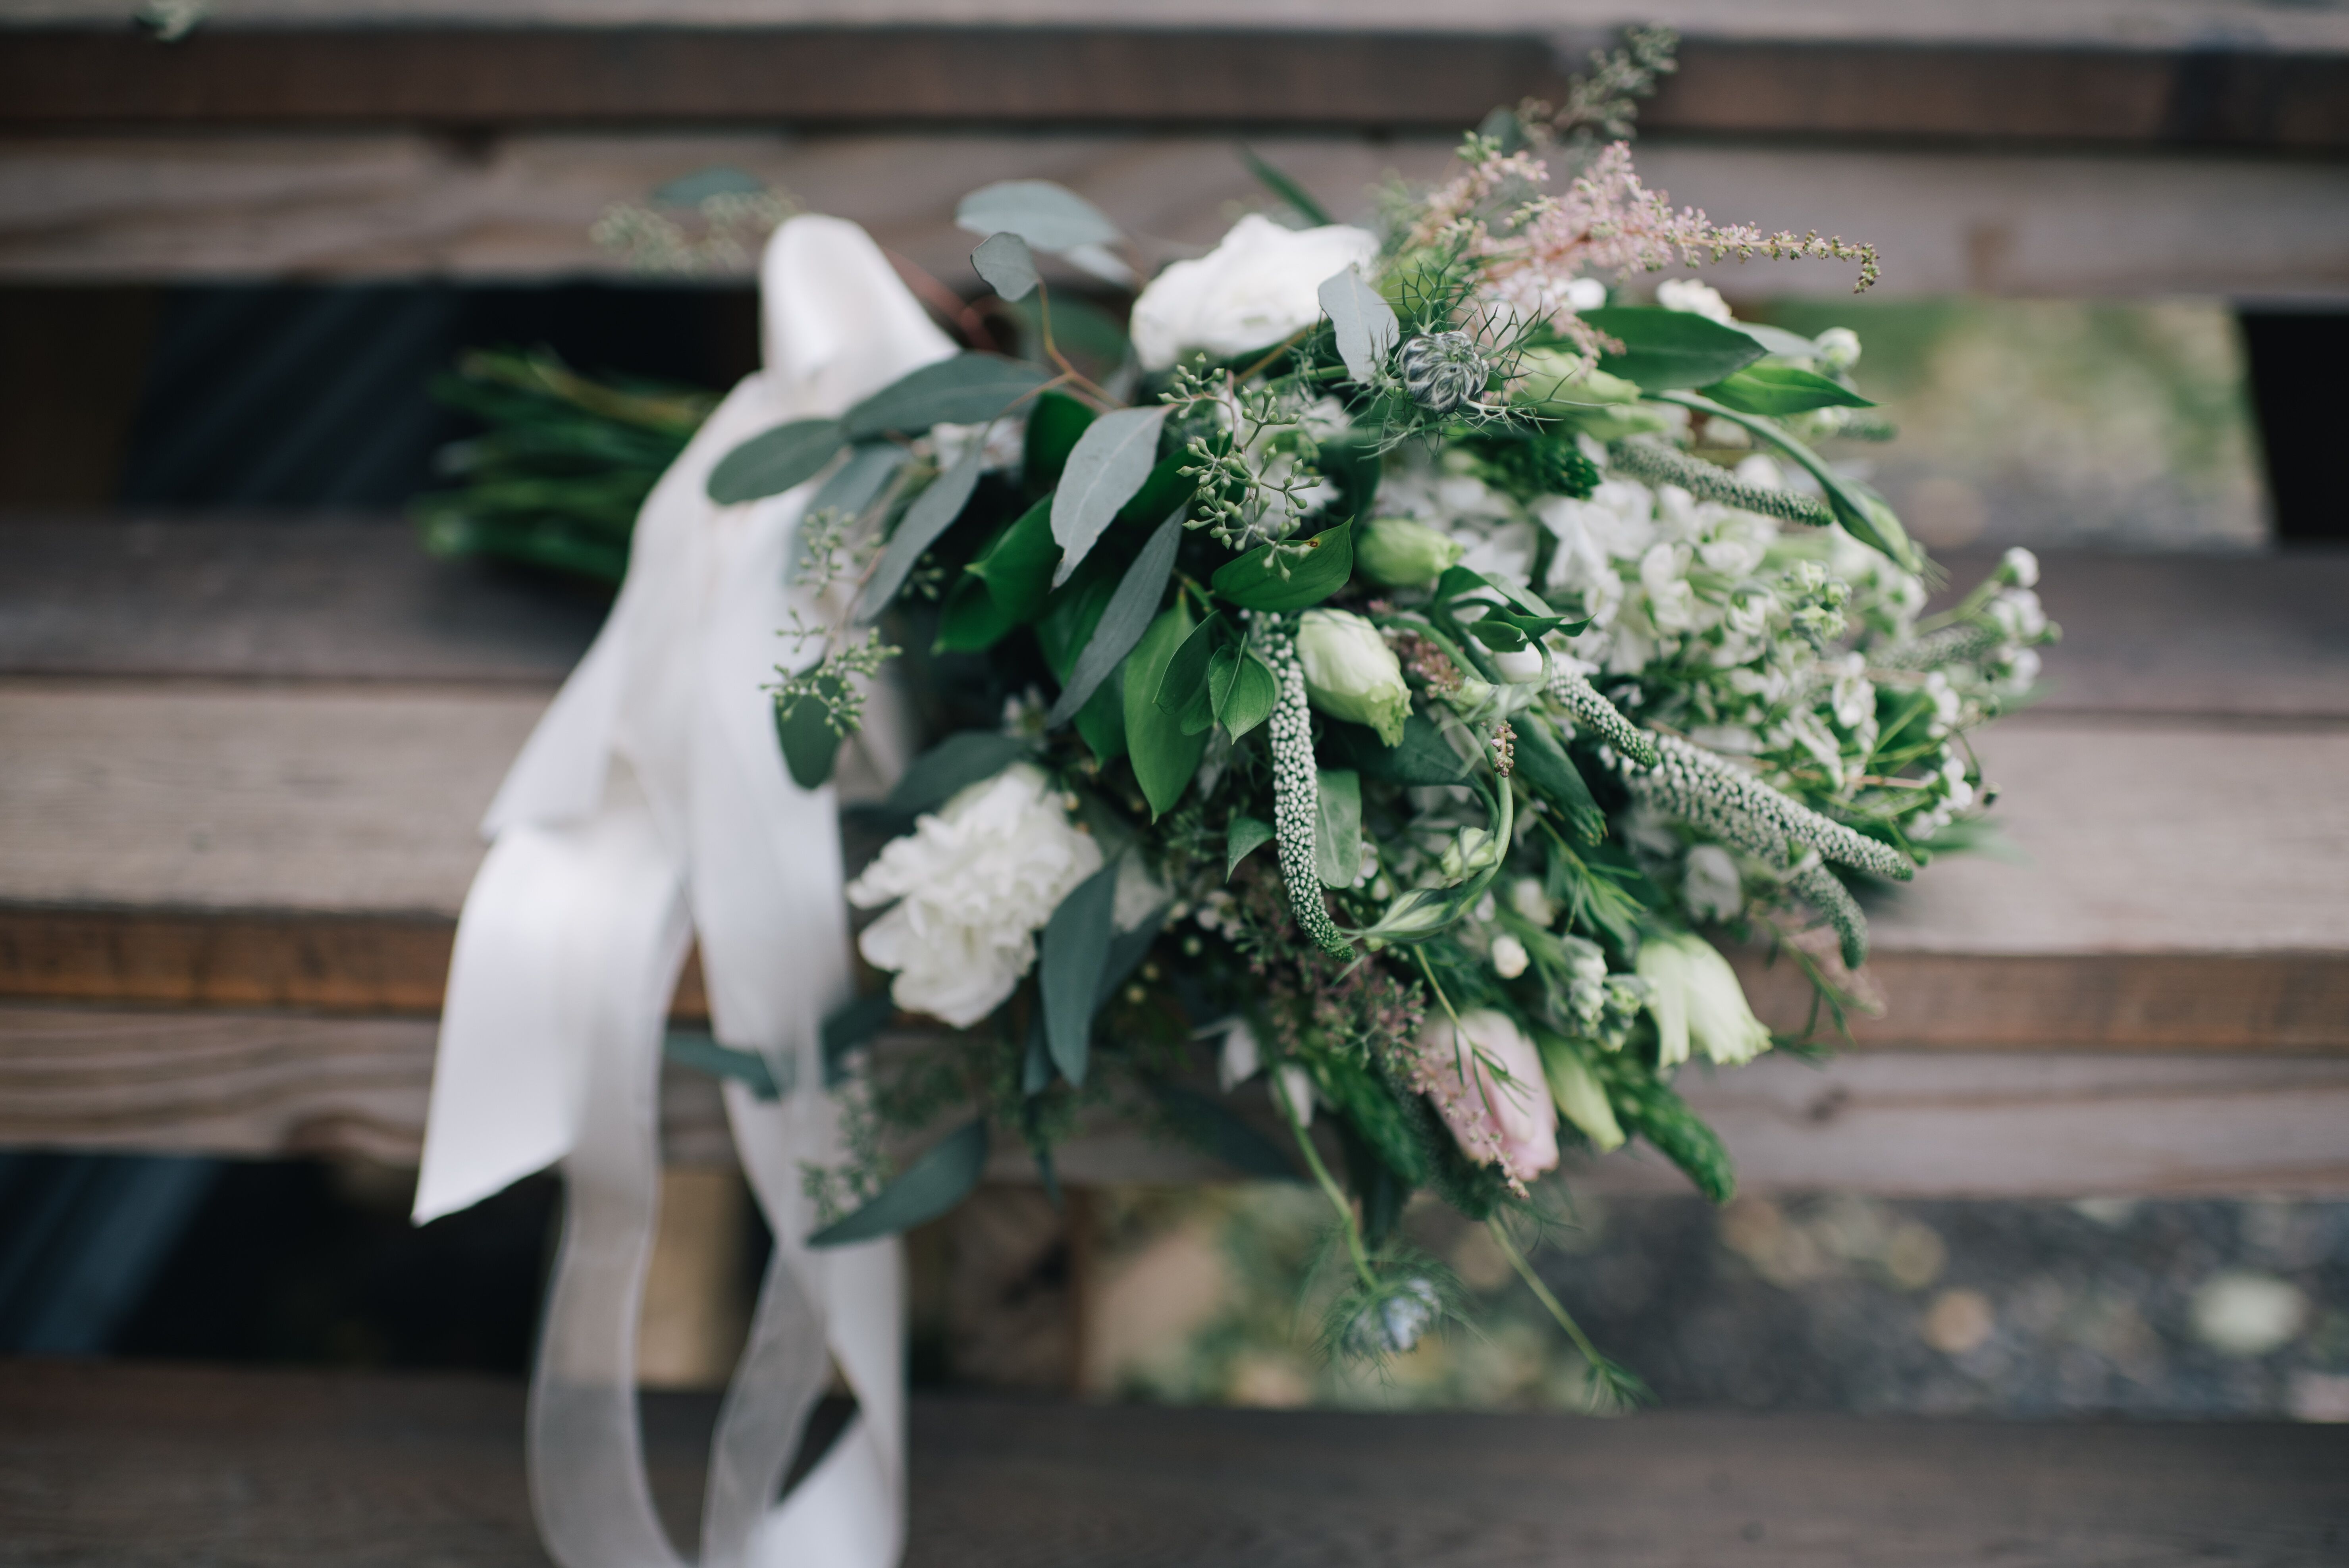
(975, 882)
(1257, 287)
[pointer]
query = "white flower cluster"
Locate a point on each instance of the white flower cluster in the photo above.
(973, 883)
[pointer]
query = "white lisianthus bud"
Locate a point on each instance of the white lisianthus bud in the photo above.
(1400, 553)
(1261, 283)
(1518, 666)
(1350, 673)
(1509, 957)
(1697, 1003)
(1585, 293)
(1295, 1087)
(2018, 568)
(1470, 852)
(1240, 1061)
(1526, 897)
(1580, 1097)
(1839, 347)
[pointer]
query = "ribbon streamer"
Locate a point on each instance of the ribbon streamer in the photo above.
(648, 809)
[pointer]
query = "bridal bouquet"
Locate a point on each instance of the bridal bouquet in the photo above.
(1371, 688)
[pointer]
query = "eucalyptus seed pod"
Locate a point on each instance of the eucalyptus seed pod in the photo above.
(1443, 371)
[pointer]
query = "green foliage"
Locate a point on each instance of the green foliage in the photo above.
(967, 389)
(1266, 579)
(1162, 756)
(1666, 350)
(1776, 390)
(935, 1182)
(775, 461)
(1075, 954)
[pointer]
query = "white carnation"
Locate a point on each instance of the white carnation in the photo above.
(975, 882)
(1261, 283)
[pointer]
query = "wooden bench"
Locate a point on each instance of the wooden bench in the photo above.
(117, 1467)
(236, 825)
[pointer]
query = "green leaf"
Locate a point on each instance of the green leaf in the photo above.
(1779, 389)
(859, 481)
(1338, 828)
(1112, 460)
(968, 389)
(1551, 774)
(1186, 680)
(1068, 975)
(1007, 265)
(1018, 567)
(1123, 625)
(1055, 421)
(1285, 187)
(1209, 1123)
(1364, 324)
(933, 512)
(970, 621)
(930, 1186)
(808, 739)
(1241, 690)
(774, 461)
(1164, 758)
(1048, 216)
(1252, 583)
(1862, 512)
(692, 189)
(954, 764)
(1663, 349)
(849, 1026)
(702, 1053)
(1066, 626)
(1242, 838)
(1422, 757)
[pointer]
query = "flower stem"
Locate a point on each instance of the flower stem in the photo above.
(1330, 1188)
(1500, 1235)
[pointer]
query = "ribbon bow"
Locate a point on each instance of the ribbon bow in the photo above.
(651, 808)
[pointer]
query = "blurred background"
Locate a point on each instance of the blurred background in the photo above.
(243, 262)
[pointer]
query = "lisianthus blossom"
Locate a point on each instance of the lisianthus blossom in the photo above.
(1350, 673)
(974, 883)
(1502, 1117)
(1255, 288)
(1697, 1001)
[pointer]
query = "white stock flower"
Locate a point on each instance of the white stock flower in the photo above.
(1259, 285)
(975, 882)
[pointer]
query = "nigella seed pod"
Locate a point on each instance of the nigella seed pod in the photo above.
(1443, 371)
(1396, 1323)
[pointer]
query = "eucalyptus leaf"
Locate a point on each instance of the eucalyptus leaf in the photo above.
(1780, 389)
(775, 461)
(967, 389)
(1365, 325)
(1338, 828)
(1245, 835)
(858, 482)
(1123, 625)
(849, 1026)
(1048, 216)
(809, 742)
(954, 764)
(1664, 349)
(1108, 467)
(1254, 582)
(1007, 265)
(930, 1186)
(1069, 975)
(702, 1053)
(1163, 756)
(933, 512)
(692, 189)
(1036, 1063)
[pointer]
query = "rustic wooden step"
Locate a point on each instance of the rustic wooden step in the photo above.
(127, 1466)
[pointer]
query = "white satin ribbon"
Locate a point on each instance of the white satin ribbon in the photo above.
(650, 808)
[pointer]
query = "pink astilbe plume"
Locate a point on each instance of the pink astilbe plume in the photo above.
(1606, 220)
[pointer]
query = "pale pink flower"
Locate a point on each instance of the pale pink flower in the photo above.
(1486, 1079)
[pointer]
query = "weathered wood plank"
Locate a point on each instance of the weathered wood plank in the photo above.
(1267, 73)
(377, 203)
(1956, 1124)
(129, 1465)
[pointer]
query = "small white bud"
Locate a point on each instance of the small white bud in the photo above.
(1509, 957)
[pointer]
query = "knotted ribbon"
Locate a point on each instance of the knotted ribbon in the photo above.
(650, 808)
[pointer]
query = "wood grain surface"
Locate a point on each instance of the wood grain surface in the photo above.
(128, 1467)
(375, 202)
(1954, 1124)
